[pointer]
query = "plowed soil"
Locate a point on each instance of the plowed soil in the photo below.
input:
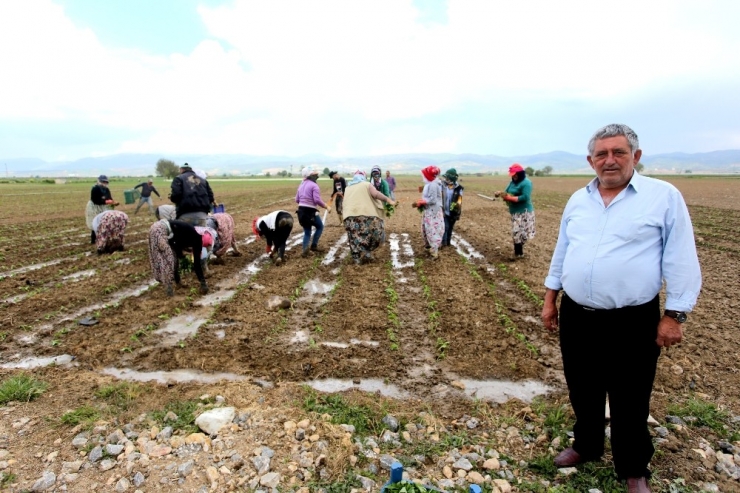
(456, 318)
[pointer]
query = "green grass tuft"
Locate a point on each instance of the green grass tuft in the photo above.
(82, 415)
(185, 411)
(362, 417)
(22, 388)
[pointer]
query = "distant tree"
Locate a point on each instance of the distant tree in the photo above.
(688, 171)
(639, 167)
(283, 173)
(167, 168)
(539, 172)
(529, 170)
(290, 174)
(547, 171)
(267, 174)
(326, 171)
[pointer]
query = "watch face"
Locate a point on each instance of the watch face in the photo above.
(681, 317)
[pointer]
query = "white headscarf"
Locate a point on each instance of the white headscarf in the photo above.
(200, 174)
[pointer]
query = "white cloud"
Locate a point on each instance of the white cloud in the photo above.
(276, 74)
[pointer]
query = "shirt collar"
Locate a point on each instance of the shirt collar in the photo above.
(634, 182)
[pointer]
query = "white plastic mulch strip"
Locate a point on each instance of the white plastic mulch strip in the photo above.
(331, 255)
(402, 254)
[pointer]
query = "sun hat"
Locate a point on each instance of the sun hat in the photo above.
(515, 168)
(103, 179)
(430, 172)
(186, 165)
(451, 174)
(308, 171)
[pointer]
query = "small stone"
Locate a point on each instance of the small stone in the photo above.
(555, 443)
(160, 451)
(472, 424)
(261, 464)
(47, 480)
(213, 420)
(80, 441)
(270, 480)
(491, 464)
(71, 467)
(289, 426)
(502, 485)
(726, 447)
(567, 471)
(267, 452)
(185, 469)
(95, 454)
(275, 303)
(652, 421)
(305, 423)
(463, 464)
(675, 420)
(406, 437)
(662, 431)
(367, 483)
(212, 474)
(458, 384)
(348, 428)
(386, 461)
(113, 450)
(594, 490)
(165, 434)
(461, 473)
(139, 479)
(300, 434)
(122, 485)
(710, 488)
(447, 472)
(475, 478)
(391, 422)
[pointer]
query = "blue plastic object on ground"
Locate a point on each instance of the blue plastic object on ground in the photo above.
(397, 477)
(219, 209)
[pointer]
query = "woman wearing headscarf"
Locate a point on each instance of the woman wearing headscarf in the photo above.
(378, 182)
(275, 228)
(109, 228)
(167, 242)
(223, 223)
(308, 198)
(452, 197)
(166, 212)
(161, 256)
(432, 218)
(518, 195)
(363, 217)
(209, 238)
(100, 200)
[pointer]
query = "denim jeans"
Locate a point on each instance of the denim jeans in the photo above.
(307, 232)
(449, 224)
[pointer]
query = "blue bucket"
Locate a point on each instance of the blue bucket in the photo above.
(219, 209)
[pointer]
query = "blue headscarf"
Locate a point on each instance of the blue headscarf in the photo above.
(358, 178)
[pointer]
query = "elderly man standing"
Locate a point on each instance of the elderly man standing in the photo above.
(620, 237)
(192, 195)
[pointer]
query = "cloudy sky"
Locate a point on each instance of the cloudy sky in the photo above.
(85, 78)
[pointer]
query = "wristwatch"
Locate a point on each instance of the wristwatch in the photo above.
(679, 317)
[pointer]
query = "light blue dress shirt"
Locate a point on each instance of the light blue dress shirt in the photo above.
(616, 256)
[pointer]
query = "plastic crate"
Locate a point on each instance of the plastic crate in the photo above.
(397, 477)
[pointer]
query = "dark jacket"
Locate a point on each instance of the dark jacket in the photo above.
(185, 236)
(280, 235)
(147, 189)
(99, 194)
(191, 194)
(455, 205)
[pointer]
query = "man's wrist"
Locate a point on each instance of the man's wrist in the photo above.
(678, 316)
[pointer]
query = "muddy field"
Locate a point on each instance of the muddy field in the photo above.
(413, 329)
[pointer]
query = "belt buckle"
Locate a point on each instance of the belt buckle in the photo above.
(588, 308)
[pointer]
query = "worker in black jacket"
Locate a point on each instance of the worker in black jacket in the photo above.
(184, 237)
(147, 187)
(192, 196)
(101, 200)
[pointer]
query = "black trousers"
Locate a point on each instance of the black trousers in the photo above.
(614, 353)
(449, 225)
(185, 236)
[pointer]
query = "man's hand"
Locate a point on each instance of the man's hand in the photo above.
(669, 332)
(550, 310)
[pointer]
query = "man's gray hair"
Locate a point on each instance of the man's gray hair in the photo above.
(614, 130)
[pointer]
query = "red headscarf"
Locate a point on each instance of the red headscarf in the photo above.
(207, 239)
(254, 227)
(430, 172)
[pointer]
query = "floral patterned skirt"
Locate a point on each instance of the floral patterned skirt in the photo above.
(365, 234)
(225, 232)
(433, 228)
(522, 226)
(161, 257)
(111, 231)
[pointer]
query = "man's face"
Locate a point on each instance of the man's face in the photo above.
(613, 161)
(387, 174)
(375, 174)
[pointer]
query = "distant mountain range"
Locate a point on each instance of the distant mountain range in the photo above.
(717, 162)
